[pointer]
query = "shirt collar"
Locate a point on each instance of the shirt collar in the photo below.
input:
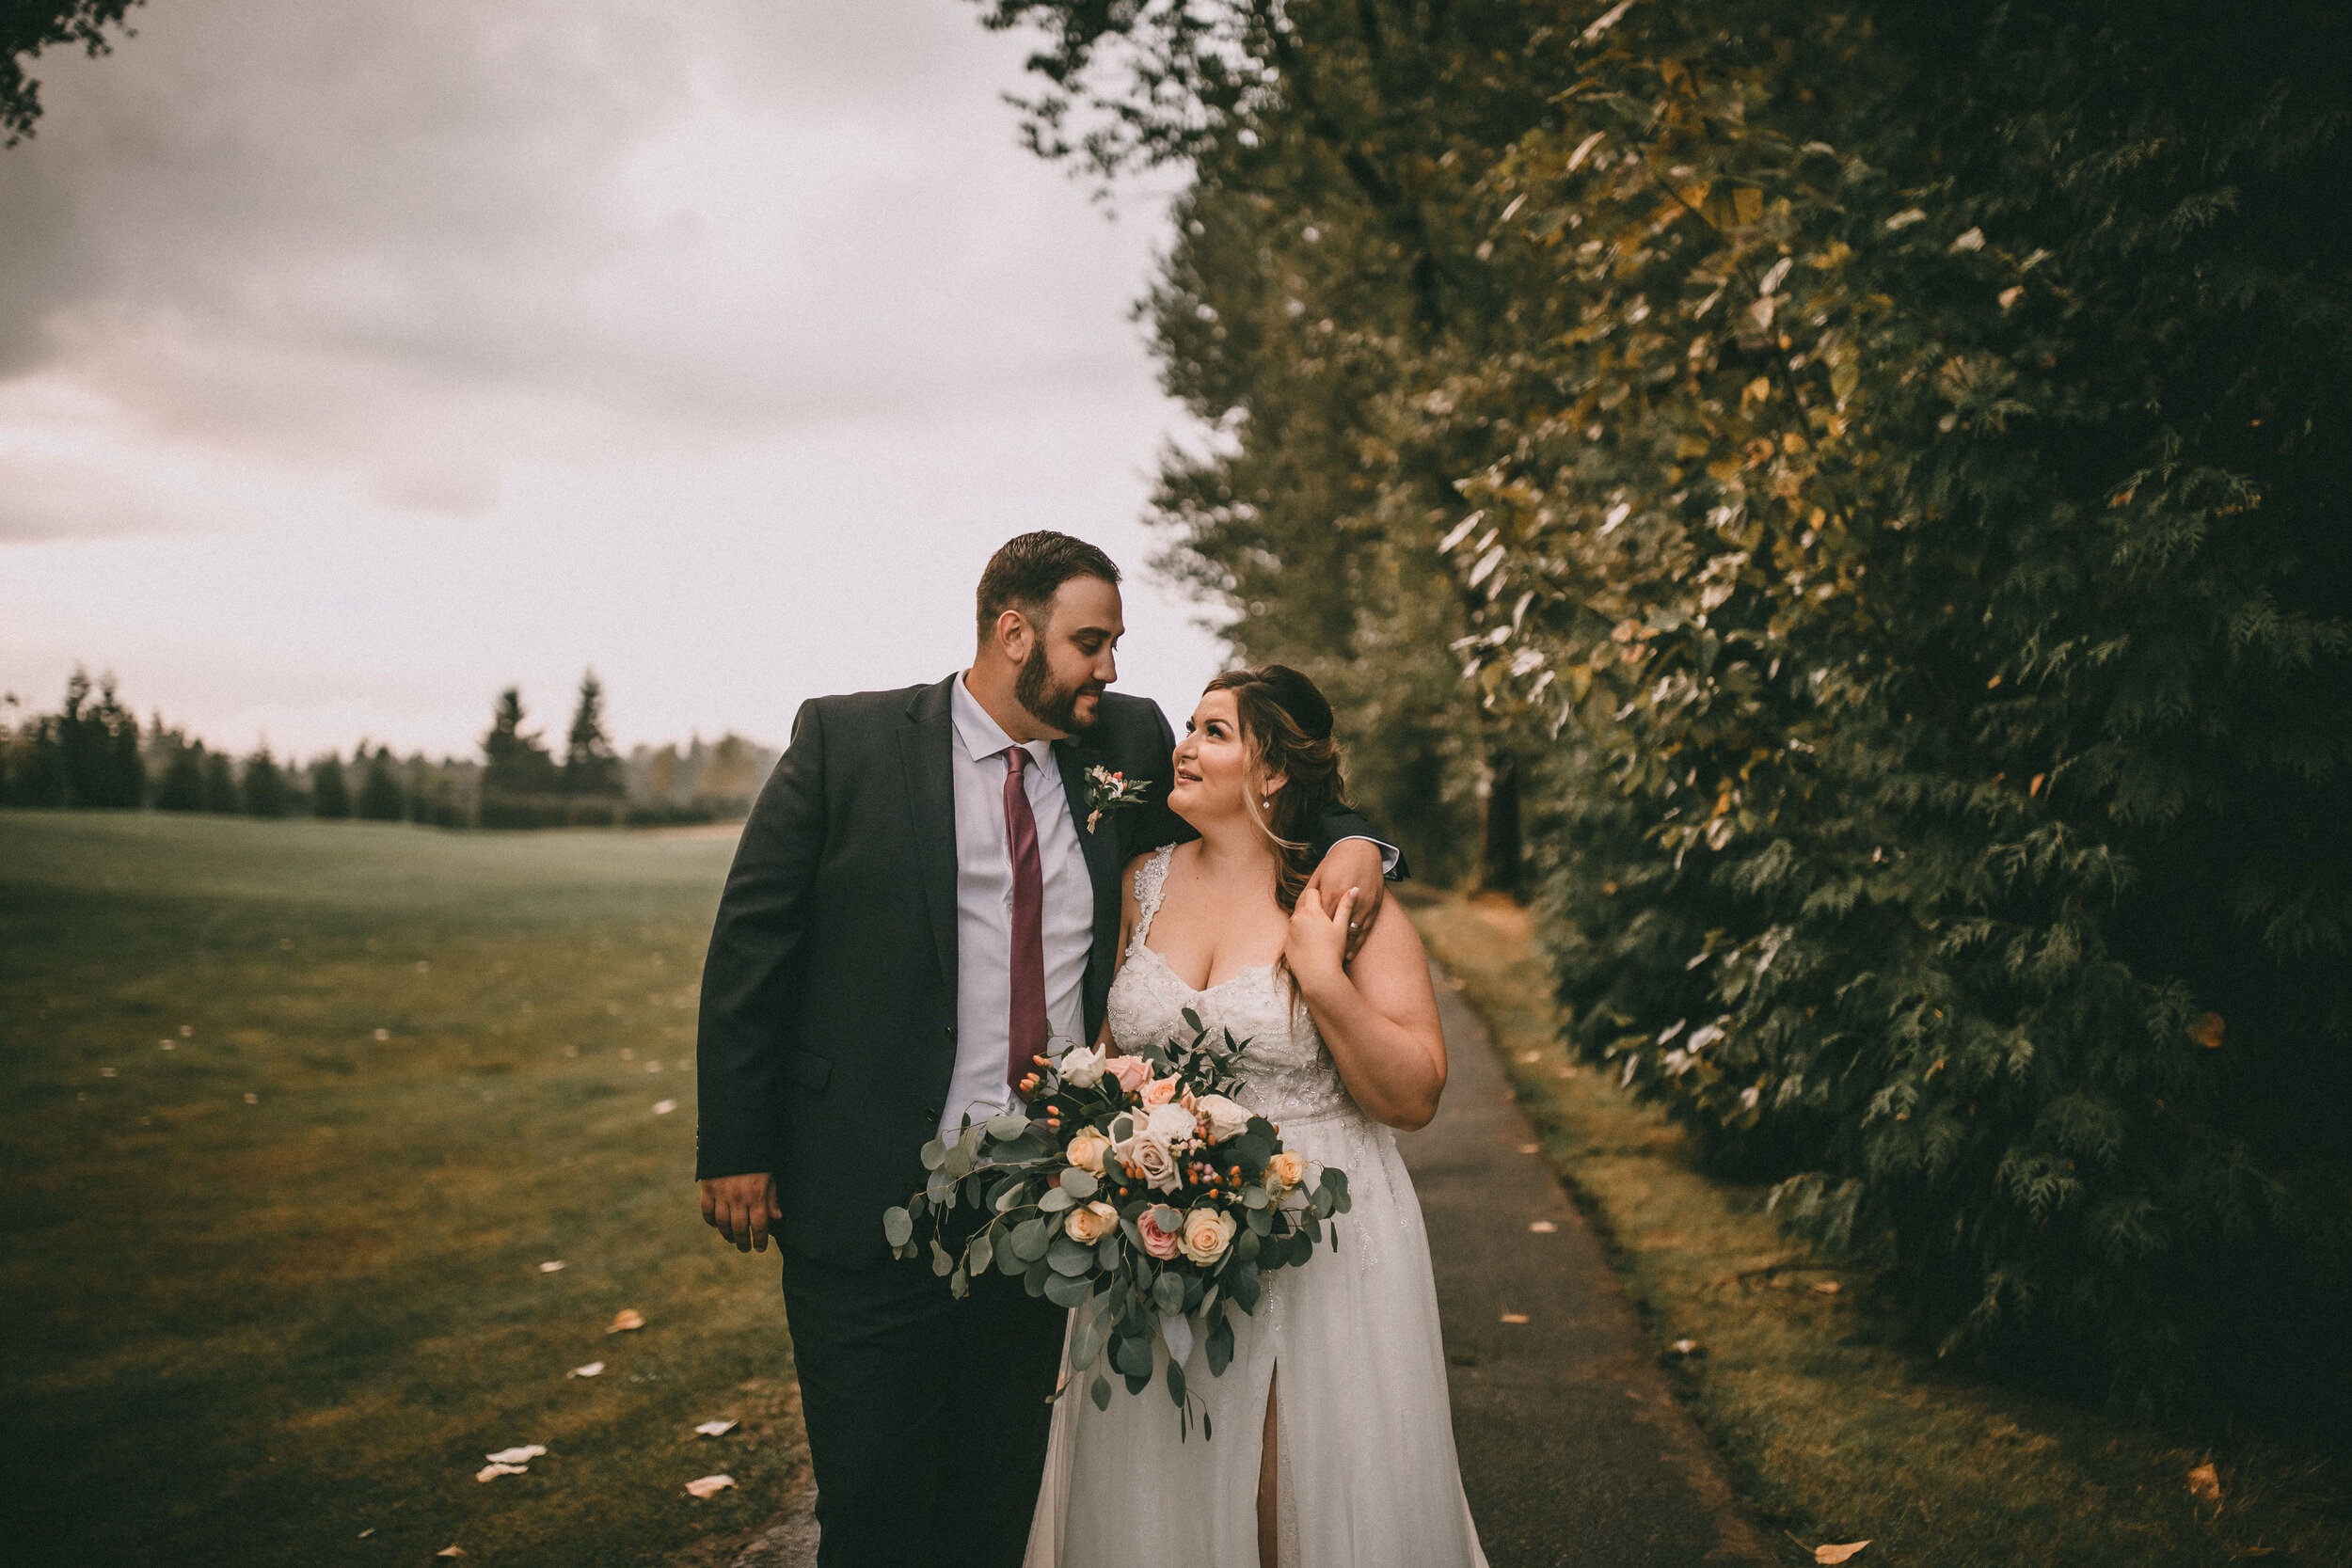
(982, 736)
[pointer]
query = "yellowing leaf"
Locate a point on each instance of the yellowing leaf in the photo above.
(710, 1485)
(450, 1551)
(715, 1429)
(523, 1455)
(1543, 1227)
(2207, 1031)
(1838, 1553)
(624, 1319)
(1747, 203)
(1514, 1317)
(2204, 1485)
(492, 1472)
(589, 1371)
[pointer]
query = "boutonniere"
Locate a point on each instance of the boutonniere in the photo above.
(1109, 791)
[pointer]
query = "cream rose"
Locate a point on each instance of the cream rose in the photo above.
(1091, 1224)
(1158, 1243)
(1172, 1124)
(1082, 1067)
(1207, 1232)
(1130, 1070)
(1285, 1171)
(1224, 1119)
(1150, 1159)
(1087, 1150)
(1159, 1091)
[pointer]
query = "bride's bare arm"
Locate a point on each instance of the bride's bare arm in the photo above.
(1378, 1015)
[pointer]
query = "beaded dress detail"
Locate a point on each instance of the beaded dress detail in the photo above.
(1366, 1472)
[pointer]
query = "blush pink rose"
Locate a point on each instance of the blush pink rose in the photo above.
(1158, 1243)
(1131, 1071)
(1159, 1091)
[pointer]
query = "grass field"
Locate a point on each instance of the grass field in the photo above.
(294, 1112)
(1833, 1429)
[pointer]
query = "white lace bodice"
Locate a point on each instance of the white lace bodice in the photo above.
(1288, 1074)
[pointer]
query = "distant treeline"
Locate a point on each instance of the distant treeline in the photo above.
(94, 754)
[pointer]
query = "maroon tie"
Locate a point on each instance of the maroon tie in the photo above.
(1027, 1015)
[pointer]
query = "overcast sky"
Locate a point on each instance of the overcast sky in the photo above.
(358, 360)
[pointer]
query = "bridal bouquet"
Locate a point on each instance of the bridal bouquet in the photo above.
(1135, 1189)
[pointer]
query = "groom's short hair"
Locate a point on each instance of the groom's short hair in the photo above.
(1026, 572)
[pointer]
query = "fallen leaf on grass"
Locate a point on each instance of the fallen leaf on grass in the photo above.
(552, 1266)
(589, 1371)
(1828, 1288)
(492, 1472)
(664, 1107)
(450, 1551)
(523, 1455)
(715, 1429)
(1838, 1553)
(1543, 1227)
(2204, 1485)
(1688, 1348)
(1531, 1056)
(1514, 1317)
(365, 1533)
(710, 1485)
(624, 1319)
(1530, 1149)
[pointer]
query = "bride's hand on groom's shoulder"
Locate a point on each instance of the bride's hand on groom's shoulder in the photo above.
(740, 1206)
(1317, 945)
(1353, 865)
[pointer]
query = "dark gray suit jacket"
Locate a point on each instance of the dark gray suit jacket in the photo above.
(828, 1028)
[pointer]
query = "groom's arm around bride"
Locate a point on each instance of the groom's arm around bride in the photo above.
(927, 890)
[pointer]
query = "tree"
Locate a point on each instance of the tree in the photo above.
(182, 784)
(265, 784)
(330, 794)
(514, 763)
(100, 741)
(220, 785)
(1878, 472)
(381, 799)
(590, 765)
(27, 28)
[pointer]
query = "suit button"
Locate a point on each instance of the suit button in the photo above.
(930, 1113)
(951, 1031)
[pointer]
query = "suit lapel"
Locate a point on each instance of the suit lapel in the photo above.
(924, 744)
(1100, 846)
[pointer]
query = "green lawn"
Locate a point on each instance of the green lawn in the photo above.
(294, 1112)
(1833, 1429)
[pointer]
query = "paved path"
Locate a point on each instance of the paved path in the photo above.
(1574, 1451)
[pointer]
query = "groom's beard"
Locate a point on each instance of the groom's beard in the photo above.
(1055, 707)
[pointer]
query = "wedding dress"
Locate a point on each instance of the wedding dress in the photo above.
(1365, 1470)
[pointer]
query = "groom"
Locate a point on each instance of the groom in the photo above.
(922, 898)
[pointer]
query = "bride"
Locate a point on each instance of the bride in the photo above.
(1333, 1414)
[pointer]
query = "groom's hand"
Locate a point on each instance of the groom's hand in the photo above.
(1352, 864)
(740, 1206)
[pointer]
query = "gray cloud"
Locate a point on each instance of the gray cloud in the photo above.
(414, 245)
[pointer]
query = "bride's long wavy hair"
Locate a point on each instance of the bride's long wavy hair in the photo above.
(1287, 724)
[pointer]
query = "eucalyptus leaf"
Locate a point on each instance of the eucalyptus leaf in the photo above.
(1167, 1293)
(1068, 1257)
(1031, 1237)
(1100, 1391)
(1055, 1199)
(1220, 1345)
(1132, 1355)
(898, 1226)
(1006, 1128)
(1086, 1343)
(1066, 1290)
(935, 1155)
(1079, 1184)
(941, 1262)
(1176, 1384)
(981, 1252)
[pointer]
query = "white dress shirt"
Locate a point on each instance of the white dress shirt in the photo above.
(984, 909)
